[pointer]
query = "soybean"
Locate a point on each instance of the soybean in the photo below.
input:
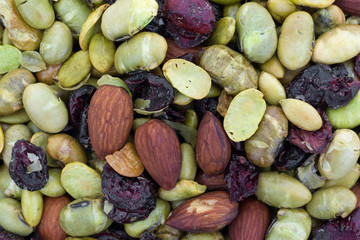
(37, 13)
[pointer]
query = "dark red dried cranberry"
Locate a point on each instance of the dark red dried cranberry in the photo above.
(158, 24)
(238, 147)
(324, 86)
(357, 65)
(28, 166)
(241, 178)
(206, 105)
(171, 113)
(189, 22)
(114, 232)
(135, 196)
(289, 156)
(340, 229)
(4, 235)
(151, 87)
(190, 57)
(312, 141)
(149, 234)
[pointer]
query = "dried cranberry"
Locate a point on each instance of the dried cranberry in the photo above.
(151, 87)
(238, 147)
(4, 235)
(28, 166)
(206, 105)
(289, 157)
(189, 22)
(158, 24)
(136, 196)
(312, 141)
(241, 178)
(357, 65)
(171, 113)
(324, 86)
(82, 134)
(340, 229)
(149, 234)
(114, 232)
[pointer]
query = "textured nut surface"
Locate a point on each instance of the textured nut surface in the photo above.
(159, 150)
(110, 119)
(349, 6)
(213, 149)
(251, 222)
(208, 212)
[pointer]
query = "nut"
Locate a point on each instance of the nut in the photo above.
(213, 149)
(49, 227)
(174, 51)
(208, 212)
(110, 119)
(351, 7)
(212, 182)
(159, 150)
(251, 222)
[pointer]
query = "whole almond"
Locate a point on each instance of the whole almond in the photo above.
(174, 51)
(49, 227)
(208, 212)
(159, 150)
(110, 119)
(212, 182)
(349, 6)
(356, 191)
(213, 148)
(251, 222)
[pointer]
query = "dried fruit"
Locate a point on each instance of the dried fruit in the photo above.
(357, 65)
(208, 212)
(321, 85)
(131, 197)
(213, 148)
(251, 222)
(4, 235)
(189, 22)
(206, 105)
(110, 119)
(159, 150)
(28, 166)
(289, 157)
(212, 182)
(241, 178)
(126, 162)
(312, 141)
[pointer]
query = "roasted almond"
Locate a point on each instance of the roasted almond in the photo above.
(110, 119)
(349, 6)
(126, 162)
(174, 51)
(213, 148)
(356, 191)
(49, 227)
(212, 182)
(208, 212)
(159, 149)
(251, 222)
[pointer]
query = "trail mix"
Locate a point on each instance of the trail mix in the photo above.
(179, 119)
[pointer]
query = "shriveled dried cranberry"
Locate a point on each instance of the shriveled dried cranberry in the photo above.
(114, 232)
(171, 113)
(357, 65)
(324, 86)
(340, 229)
(238, 146)
(134, 196)
(206, 105)
(149, 235)
(158, 24)
(156, 89)
(28, 166)
(289, 157)
(189, 22)
(4, 235)
(241, 178)
(312, 141)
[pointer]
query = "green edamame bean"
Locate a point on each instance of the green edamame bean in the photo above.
(280, 9)
(272, 88)
(17, 117)
(32, 206)
(188, 162)
(282, 191)
(12, 86)
(203, 236)
(44, 109)
(53, 187)
(165, 232)
(256, 31)
(290, 224)
(11, 218)
(348, 181)
(328, 18)
(341, 155)
(183, 189)
(331, 202)
(84, 217)
(37, 13)
(274, 67)
(191, 118)
(56, 44)
(230, 10)
(7, 185)
(101, 52)
(158, 215)
(224, 31)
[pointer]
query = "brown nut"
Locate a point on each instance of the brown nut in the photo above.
(349, 6)
(213, 149)
(159, 150)
(110, 119)
(212, 182)
(208, 212)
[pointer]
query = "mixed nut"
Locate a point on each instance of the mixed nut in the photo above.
(179, 119)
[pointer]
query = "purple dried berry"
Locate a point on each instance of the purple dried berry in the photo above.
(289, 157)
(28, 166)
(357, 65)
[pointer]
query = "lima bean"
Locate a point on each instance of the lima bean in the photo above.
(32, 206)
(37, 13)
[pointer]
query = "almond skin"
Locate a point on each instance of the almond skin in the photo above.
(174, 51)
(212, 182)
(251, 222)
(159, 150)
(349, 6)
(208, 212)
(356, 191)
(110, 119)
(49, 227)
(213, 148)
